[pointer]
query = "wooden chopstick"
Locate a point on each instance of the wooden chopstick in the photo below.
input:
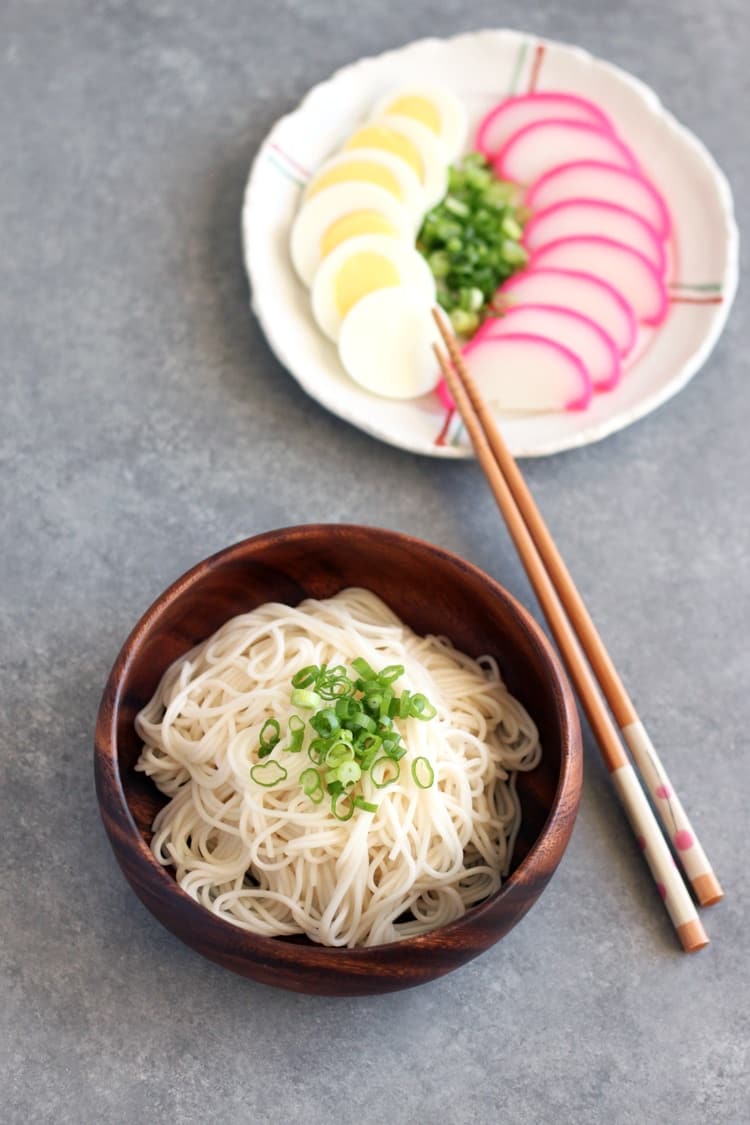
(668, 805)
(666, 875)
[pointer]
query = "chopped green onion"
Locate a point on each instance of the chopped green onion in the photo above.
(346, 707)
(269, 737)
(363, 669)
(391, 673)
(421, 708)
(309, 779)
(422, 772)
(404, 705)
(348, 773)
(268, 774)
(366, 806)
(338, 797)
(464, 323)
(355, 732)
(308, 700)
(339, 752)
(325, 722)
(335, 684)
(306, 676)
(472, 241)
(380, 770)
(317, 751)
(361, 721)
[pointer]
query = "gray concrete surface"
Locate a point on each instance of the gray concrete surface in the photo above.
(144, 424)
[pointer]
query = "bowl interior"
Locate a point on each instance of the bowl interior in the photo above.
(432, 591)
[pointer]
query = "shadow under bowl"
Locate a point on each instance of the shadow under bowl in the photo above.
(433, 591)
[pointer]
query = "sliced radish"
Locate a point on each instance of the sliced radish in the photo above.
(584, 217)
(613, 262)
(515, 113)
(524, 373)
(581, 292)
(535, 149)
(605, 183)
(581, 335)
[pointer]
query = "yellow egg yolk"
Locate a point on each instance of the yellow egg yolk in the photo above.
(366, 170)
(362, 274)
(378, 136)
(420, 109)
(349, 226)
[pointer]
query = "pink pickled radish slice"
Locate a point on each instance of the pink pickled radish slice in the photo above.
(524, 373)
(537, 148)
(584, 217)
(613, 262)
(517, 112)
(604, 183)
(580, 292)
(581, 335)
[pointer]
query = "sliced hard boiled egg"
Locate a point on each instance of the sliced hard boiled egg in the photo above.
(414, 143)
(340, 212)
(433, 106)
(386, 342)
(373, 166)
(360, 266)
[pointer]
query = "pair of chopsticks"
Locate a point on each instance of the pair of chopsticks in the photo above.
(587, 662)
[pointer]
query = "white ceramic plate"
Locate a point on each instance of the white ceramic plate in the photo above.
(482, 67)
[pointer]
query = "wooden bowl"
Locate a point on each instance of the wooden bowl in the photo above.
(433, 591)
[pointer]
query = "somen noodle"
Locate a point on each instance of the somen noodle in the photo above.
(269, 859)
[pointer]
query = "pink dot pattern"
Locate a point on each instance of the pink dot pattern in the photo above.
(662, 890)
(663, 791)
(683, 840)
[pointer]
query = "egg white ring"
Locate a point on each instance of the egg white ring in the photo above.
(432, 152)
(319, 213)
(414, 273)
(454, 121)
(413, 197)
(385, 344)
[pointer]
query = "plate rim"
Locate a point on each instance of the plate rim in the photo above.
(587, 435)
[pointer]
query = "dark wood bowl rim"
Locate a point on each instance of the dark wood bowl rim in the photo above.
(312, 955)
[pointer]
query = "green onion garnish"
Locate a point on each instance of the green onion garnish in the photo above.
(340, 799)
(391, 673)
(269, 737)
(268, 774)
(325, 722)
(353, 732)
(366, 806)
(422, 772)
(306, 676)
(471, 241)
(296, 734)
(348, 773)
(308, 700)
(339, 752)
(309, 779)
(363, 669)
(335, 684)
(384, 771)
(317, 751)
(404, 704)
(421, 708)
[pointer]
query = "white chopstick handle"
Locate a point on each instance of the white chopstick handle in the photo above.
(659, 858)
(667, 803)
